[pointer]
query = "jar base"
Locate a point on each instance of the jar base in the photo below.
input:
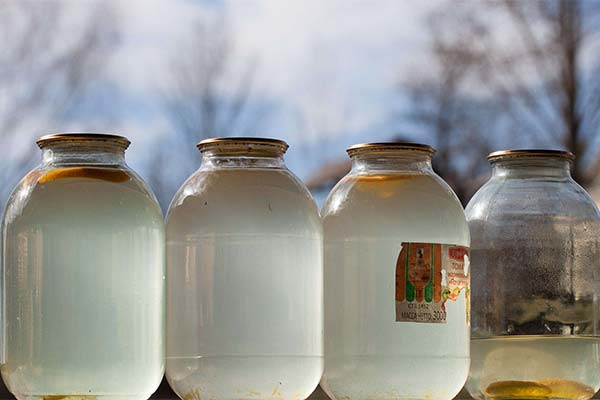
(394, 377)
(244, 377)
(115, 396)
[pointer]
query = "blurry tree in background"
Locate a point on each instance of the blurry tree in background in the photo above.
(511, 73)
(197, 105)
(42, 76)
(440, 104)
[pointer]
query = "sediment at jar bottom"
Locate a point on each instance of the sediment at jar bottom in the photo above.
(394, 377)
(535, 367)
(244, 377)
(542, 389)
(112, 396)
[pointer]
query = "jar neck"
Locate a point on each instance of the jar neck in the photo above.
(396, 162)
(532, 167)
(212, 159)
(70, 154)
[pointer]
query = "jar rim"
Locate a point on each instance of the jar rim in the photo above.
(46, 140)
(375, 147)
(244, 146)
(524, 153)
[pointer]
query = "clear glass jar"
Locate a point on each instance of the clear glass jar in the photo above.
(536, 250)
(244, 272)
(396, 279)
(83, 276)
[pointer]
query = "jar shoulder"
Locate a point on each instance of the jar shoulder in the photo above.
(419, 206)
(79, 190)
(214, 200)
(500, 198)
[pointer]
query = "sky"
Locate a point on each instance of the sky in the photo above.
(327, 73)
(329, 68)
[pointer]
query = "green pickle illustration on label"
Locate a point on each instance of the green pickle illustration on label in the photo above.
(427, 275)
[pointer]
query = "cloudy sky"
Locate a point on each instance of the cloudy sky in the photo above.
(327, 73)
(330, 68)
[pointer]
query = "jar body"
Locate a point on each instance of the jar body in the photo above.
(535, 247)
(84, 281)
(371, 350)
(244, 308)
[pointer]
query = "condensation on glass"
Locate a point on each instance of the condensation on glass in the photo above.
(244, 272)
(83, 276)
(396, 279)
(536, 264)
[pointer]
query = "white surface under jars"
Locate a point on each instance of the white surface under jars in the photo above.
(245, 314)
(84, 279)
(388, 199)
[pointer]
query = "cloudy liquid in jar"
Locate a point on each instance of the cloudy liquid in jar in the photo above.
(535, 367)
(84, 303)
(369, 354)
(245, 288)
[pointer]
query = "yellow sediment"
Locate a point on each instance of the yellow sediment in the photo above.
(541, 389)
(68, 397)
(249, 393)
(194, 394)
(104, 174)
(518, 390)
(276, 393)
(566, 389)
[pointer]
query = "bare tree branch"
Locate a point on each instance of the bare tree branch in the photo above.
(43, 71)
(203, 99)
(537, 83)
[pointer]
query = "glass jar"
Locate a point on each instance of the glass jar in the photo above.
(536, 251)
(244, 273)
(396, 279)
(83, 276)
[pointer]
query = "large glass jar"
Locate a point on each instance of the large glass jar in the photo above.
(244, 272)
(84, 276)
(396, 279)
(536, 257)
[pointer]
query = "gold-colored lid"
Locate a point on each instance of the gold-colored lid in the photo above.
(244, 146)
(46, 140)
(527, 153)
(389, 146)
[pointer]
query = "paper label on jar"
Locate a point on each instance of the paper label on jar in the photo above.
(428, 275)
